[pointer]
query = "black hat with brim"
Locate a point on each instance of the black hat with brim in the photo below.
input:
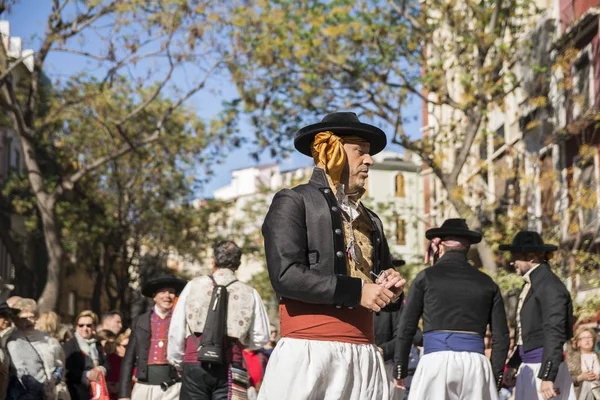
(528, 242)
(454, 227)
(163, 282)
(341, 124)
(6, 310)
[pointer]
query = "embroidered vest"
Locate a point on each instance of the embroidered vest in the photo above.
(240, 306)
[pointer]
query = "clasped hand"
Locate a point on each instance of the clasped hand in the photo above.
(387, 288)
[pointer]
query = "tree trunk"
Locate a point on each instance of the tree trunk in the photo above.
(486, 255)
(46, 204)
(48, 301)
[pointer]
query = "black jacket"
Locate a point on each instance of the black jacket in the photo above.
(452, 295)
(546, 320)
(76, 364)
(136, 354)
(305, 247)
(387, 325)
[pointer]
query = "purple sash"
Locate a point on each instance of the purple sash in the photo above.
(532, 356)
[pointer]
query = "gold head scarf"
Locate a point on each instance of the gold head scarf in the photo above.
(328, 150)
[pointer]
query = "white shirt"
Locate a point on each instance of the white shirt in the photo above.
(522, 297)
(258, 334)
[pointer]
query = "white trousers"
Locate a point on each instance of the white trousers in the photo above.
(528, 384)
(142, 391)
(453, 375)
(319, 370)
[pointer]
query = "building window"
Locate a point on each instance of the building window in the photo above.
(400, 185)
(400, 232)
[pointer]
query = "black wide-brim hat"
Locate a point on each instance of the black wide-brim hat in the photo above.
(163, 282)
(528, 242)
(341, 124)
(454, 227)
(6, 310)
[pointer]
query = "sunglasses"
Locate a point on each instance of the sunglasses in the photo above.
(84, 325)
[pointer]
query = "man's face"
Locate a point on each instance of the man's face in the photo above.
(4, 322)
(115, 324)
(521, 262)
(164, 299)
(26, 321)
(359, 161)
(273, 337)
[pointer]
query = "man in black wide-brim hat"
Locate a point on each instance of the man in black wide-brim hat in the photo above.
(544, 323)
(147, 348)
(457, 303)
(322, 247)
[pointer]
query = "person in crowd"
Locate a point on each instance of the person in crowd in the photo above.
(255, 363)
(49, 323)
(247, 326)
(85, 357)
(323, 248)
(107, 341)
(544, 323)
(386, 328)
(65, 333)
(148, 344)
(115, 360)
(37, 360)
(597, 344)
(7, 315)
(457, 302)
(112, 321)
(584, 365)
(267, 349)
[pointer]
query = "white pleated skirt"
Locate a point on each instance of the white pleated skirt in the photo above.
(319, 370)
(528, 384)
(453, 375)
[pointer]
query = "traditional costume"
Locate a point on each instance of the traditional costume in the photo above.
(457, 302)
(147, 350)
(321, 246)
(247, 327)
(544, 324)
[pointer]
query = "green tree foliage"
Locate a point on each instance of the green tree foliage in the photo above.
(294, 62)
(113, 151)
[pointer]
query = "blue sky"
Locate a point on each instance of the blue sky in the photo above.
(28, 19)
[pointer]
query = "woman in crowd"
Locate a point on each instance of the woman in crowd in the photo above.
(49, 323)
(584, 365)
(37, 360)
(85, 357)
(114, 360)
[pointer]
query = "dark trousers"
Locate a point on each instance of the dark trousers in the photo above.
(199, 383)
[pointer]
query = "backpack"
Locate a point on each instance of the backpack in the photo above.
(212, 342)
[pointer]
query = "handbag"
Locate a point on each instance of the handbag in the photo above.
(98, 389)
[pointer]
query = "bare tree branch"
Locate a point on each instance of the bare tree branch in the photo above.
(13, 65)
(474, 123)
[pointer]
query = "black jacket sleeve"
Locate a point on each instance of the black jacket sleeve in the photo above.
(555, 309)
(128, 364)
(74, 364)
(286, 251)
(389, 347)
(412, 312)
(500, 336)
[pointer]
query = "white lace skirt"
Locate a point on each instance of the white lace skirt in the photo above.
(319, 370)
(453, 375)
